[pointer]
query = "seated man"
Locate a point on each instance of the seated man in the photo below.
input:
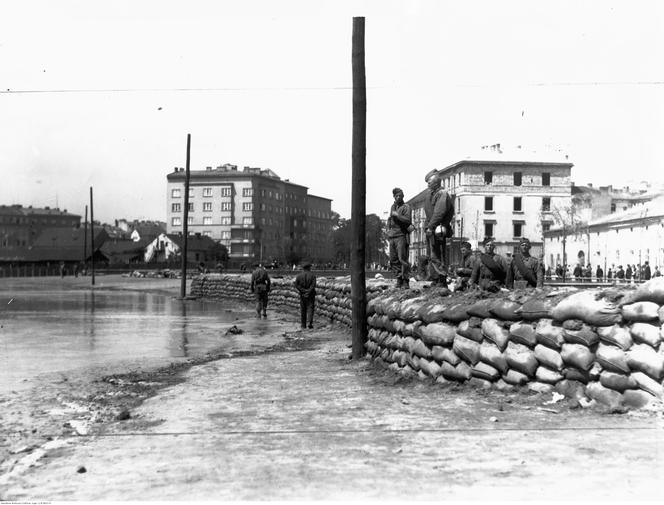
(490, 271)
(525, 270)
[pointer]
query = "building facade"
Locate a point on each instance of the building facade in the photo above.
(253, 212)
(20, 226)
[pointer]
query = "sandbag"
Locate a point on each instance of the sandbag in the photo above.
(584, 336)
(490, 354)
(595, 370)
(409, 329)
(645, 333)
(586, 306)
(475, 322)
(494, 331)
(409, 309)
(420, 349)
(431, 368)
(385, 354)
(456, 313)
(521, 359)
(515, 378)
(523, 333)
(577, 355)
(548, 357)
(399, 357)
(481, 308)
(615, 335)
(660, 314)
(392, 308)
(640, 312)
(573, 324)
(650, 291)
(431, 312)
(648, 384)
(477, 382)
(466, 330)
(549, 335)
(547, 376)
(399, 326)
(533, 310)
(450, 372)
(408, 344)
(643, 358)
(484, 371)
(505, 310)
(575, 374)
(438, 334)
(611, 358)
(637, 398)
(571, 389)
(413, 361)
(444, 354)
(464, 371)
(604, 395)
(617, 381)
(468, 350)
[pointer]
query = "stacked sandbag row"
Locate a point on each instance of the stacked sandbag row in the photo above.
(614, 350)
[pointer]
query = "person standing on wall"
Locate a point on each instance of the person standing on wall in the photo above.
(439, 211)
(399, 226)
(260, 286)
(525, 270)
(305, 283)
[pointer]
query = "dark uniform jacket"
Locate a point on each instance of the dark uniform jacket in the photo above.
(467, 265)
(534, 272)
(260, 281)
(439, 210)
(484, 276)
(398, 226)
(305, 283)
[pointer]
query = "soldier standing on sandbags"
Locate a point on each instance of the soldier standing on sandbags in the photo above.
(305, 283)
(439, 211)
(466, 269)
(525, 268)
(260, 285)
(490, 271)
(398, 235)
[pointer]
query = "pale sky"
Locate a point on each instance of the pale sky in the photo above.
(103, 94)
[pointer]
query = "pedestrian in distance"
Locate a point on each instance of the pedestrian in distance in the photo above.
(525, 270)
(439, 212)
(399, 227)
(305, 283)
(260, 286)
(657, 272)
(620, 273)
(647, 273)
(599, 273)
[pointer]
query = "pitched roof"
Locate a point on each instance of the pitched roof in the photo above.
(194, 242)
(68, 237)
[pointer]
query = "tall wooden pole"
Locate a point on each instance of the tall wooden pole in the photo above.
(359, 187)
(92, 239)
(185, 224)
(85, 238)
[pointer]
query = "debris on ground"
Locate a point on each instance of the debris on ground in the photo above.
(234, 330)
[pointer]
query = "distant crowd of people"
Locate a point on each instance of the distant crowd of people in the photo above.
(581, 273)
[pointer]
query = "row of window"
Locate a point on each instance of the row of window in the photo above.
(43, 220)
(517, 178)
(177, 221)
(517, 228)
(207, 207)
(517, 204)
(207, 192)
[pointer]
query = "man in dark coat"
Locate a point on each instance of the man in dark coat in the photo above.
(599, 274)
(260, 286)
(647, 274)
(398, 235)
(628, 273)
(439, 211)
(490, 271)
(620, 274)
(525, 270)
(305, 283)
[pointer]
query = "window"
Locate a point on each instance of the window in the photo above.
(225, 235)
(207, 233)
(191, 192)
(247, 220)
(546, 204)
(546, 179)
(226, 191)
(488, 204)
(488, 229)
(225, 205)
(247, 191)
(517, 204)
(263, 206)
(546, 225)
(248, 206)
(207, 206)
(190, 220)
(207, 191)
(517, 178)
(518, 229)
(175, 193)
(226, 220)
(207, 220)
(176, 221)
(613, 207)
(175, 207)
(191, 207)
(488, 177)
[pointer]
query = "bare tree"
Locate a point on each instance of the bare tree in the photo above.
(572, 220)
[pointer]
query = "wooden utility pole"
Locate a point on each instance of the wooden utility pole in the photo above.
(92, 239)
(359, 189)
(85, 238)
(185, 224)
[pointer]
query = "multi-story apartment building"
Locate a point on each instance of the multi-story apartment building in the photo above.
(253, 212)
(500, 198)
(20, 226)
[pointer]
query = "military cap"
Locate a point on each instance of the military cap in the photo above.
(524, 240)
(488, 240)
(397, 190)
(430, 174)
(466, 245)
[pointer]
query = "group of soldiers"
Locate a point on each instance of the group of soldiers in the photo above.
(488, 270)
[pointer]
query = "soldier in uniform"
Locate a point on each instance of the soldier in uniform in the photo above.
(439, 211)
(305, 283)
(525, 268)
(466, 269)
(260, 285)
(398, 234)
(490, 271)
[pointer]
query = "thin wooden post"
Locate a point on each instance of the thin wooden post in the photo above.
(358, 202)
(185, 224)
(85, 238)
(92, 239)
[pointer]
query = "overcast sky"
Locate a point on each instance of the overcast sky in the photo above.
(103, 94)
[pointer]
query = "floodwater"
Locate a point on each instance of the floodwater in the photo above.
(61, 330)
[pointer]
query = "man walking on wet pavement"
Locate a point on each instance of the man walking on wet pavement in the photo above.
(439, 211)
(305, 283)
(525, 271)
(260, 286)
(398, 235)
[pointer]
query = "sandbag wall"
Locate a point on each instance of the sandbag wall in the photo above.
(333, 302)
(605, 345)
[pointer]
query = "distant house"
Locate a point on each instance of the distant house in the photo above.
(146, 230)
(124, 251)
(167, 248)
